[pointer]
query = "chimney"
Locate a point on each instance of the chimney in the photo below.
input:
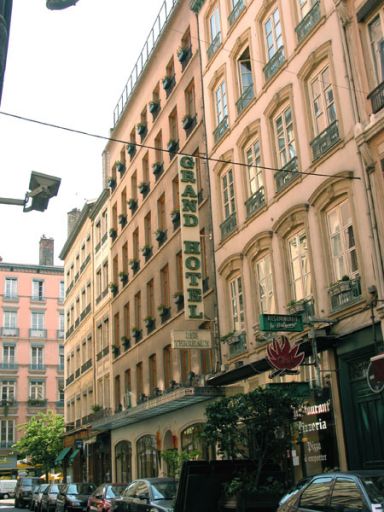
(46, 248)
(73, 217)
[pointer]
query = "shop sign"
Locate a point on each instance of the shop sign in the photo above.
(200, 339)
(190, 236)
(284, 357)
(277, 323)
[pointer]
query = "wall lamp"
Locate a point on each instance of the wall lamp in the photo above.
(41, 188)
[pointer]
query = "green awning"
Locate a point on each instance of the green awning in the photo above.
(73, 456)
(64, 452)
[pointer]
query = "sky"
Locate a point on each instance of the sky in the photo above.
(68, 68)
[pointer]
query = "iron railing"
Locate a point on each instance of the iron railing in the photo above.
(325, 140)
(308, 23)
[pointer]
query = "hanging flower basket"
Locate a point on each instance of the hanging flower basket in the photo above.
(183, 53)
(120, 166)
(154, 106)
(122, 220)
(114, 288)
(131, 148)
(132, 204)
(135, 265)
(141, 129)
(161, 235)
(144, 188)
(111, 183)
(113, 233)
(123, 276)
(157, 168)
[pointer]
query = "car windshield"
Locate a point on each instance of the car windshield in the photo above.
(114, 491)
(80, 489)
(164, 490)
(54, 489)
(374, 486)
(29, 481)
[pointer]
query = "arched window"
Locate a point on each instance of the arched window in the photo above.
(191, 440)
(123, 457)
(147, 462)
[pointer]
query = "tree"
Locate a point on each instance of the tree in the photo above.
(254, 425)
(42, 440)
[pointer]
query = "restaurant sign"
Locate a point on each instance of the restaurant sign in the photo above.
(190, 236)
(200, 339)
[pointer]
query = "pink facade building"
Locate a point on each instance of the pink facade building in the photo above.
(31, 346)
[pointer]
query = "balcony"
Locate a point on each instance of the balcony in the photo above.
(377, 98)
(38, 333)
(11, 297)
(344, 293)
(245, 99)
(228, 226)
(214, 46)
(38, 298)
(70, 379)
(237, 344)
(9, 331)
(325, 141)
(274, 64)
(220, 129)
(102, 353)
(9, 366)
(308, 23)
(70, 331)
(255, 202)
(6, 444)
(85, 312)
(304, 307)
(60, 334)
(37, 367)
(85, 262)
(37, 402)
(86, 366)
(77, 373)
(71, 285)
(286, 175)
(236, 11)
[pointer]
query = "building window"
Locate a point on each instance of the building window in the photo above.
(285, 136)
(185, 365)
(61, 291)
(265, 284)
(342, 241)
(123, 457)
(192, 441)
(273, 34)
(150, 299)
(168, 366)
(10, 291)
(162, 223)
(152, 373)
(376, 43)
(37, 354)
(237, 304)
(323, 101)
(37, 390)
(138, 310)
(9, 356)
(147, 462)
(255, 173)
(10, 319)
(228, 193)
(221, 102)
(60, 390)
(190, 106)
(245, 71)
(305, 6)
(299, 266)
(164, 284)
(61, 357)
(8, 390)
(38, 289)
(37, 324)
(7, 432)
(139, 382)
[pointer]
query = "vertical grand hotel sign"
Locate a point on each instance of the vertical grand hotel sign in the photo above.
(190, 236)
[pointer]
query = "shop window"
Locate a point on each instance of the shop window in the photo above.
(147, 459)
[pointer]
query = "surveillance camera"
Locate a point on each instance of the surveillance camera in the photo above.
(41, 188)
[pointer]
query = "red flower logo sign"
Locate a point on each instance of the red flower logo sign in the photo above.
(283, 357)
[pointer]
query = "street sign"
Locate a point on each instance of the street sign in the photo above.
(275, 323)
(200, 339)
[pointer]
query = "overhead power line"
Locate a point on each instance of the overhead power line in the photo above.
(180, 153)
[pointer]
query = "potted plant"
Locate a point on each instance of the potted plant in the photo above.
(132, 204)
(161, 235)
(345, 283)
(122, 219)
(143, 188)
(188, 121)
(175, 215)
(167, 82)
(157, 169)
(114, 288)
(111, 183)
(147, 251)
(149, 322)
(296, 306)
(96, 407)
(123, 276)
(115, 350)
(135, 265)
(141, 129)
(126, 342)
(183, 53)
(136, 333)
(120, 166)
(163, 310)
(131, 149)
(113, 233)
(178, 297)
(154, 106)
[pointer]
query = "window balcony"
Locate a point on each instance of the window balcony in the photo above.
(86, 366)
(304, 307)
(70, 379)
(344, 293)
(377, 98)
(60, 403)
(37, 402)
(237, 344)
(70, 331)
(274, 64)
(255, 202)
(85, 312)
(236, 11)
(245, 99)
(214, 46)
(169, 83)
(77, 373)
(8, 366)
(38, 298)
(9, 331)
(38, 333)
(325, 141)
(60, 334)
(228, 226)
(286, 175)
(220, 129)
(85, 263)
(60, 368)
(11, 297)
(308, 23)
(40, 367)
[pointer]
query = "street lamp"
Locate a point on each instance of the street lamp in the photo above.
(57, 5)
(41, 188)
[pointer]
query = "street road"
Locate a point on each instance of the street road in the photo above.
(8, 505)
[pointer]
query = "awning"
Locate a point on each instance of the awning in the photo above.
(73, 456)
(64, 452)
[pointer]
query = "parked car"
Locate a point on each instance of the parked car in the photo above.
(339, 492)
(48, 498)
(155, 494)
(37, 493)
(7, 488)
(74, 496)
(289, 498)
(101, 499)
(23, 490)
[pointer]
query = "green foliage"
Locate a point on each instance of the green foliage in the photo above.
(175, 459)
(254, 425)
(42, 440)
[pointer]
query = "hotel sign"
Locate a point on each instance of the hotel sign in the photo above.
(190, 237)
(200, 339)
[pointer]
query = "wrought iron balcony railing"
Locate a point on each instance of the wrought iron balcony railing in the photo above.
(344, 293)
(38, 333)
(228, 226)
(245, 99)
(237, 344)
(308, 23)
(286, 175)
(377, 98)
(214, 46)
(274, 64)
(236, 11)
(9, 331)
(325, 140)
(255, 202)
(220, 129)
